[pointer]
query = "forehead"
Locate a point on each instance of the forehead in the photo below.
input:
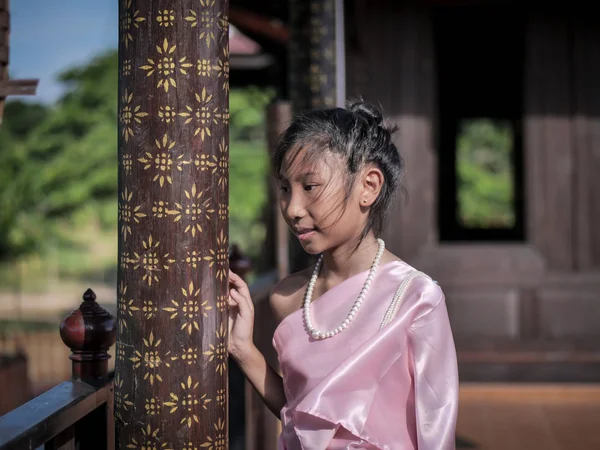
(310, 162)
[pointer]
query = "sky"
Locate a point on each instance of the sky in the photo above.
(49, 36)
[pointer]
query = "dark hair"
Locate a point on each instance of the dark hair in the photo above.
(358, 134)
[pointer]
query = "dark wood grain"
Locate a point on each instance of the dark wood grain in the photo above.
(171, 367)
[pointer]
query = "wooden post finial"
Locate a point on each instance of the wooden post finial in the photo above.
(89, 331)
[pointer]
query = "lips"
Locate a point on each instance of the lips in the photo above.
(304, 233)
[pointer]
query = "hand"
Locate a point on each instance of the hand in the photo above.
(241, 317)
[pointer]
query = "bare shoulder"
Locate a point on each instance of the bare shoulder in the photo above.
(286, 295)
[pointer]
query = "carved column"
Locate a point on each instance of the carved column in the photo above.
(171, 367)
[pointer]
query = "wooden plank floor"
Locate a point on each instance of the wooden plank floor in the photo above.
(529, 417)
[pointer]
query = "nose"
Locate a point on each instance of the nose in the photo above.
(293, 207)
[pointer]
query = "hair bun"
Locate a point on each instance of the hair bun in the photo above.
(366, 110)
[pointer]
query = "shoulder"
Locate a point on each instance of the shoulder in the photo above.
(425, 294)
(286, 296)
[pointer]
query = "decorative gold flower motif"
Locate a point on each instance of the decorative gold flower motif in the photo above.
(129, 21)
(223, 166)
(160, 209)
(190, 308)
(190, 446)
(151, 359)
(166, 66)
(150, 261)
(193, 211)
(120, 352)
(162, 161)
(221, 303)
(126, 68)
(125, 306)
(218, 353)
(187, 401)
(204, 67)
(220, 257)
(223, 212)
(165, 18)
(218, 441)
(127, 163)
(149, 309)
(190, 356)
(193, 258)
(205, 163)
(221, 397)
(150, 441)
(127, 115)
(152, 406)
(204, 116)
(122, 401)
(167, 114)
(222, 68)
(127, 213)
(204, 20)
(125, 260)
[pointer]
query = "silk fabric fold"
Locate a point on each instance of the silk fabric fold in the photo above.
(366, 388)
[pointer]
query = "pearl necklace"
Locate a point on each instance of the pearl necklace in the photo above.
(357, 304)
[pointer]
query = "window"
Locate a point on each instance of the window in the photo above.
(479, 56)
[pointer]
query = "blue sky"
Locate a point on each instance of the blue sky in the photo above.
(48, 36)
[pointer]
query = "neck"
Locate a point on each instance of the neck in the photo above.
(348, 260)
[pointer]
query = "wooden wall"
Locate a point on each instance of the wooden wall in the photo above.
(536, 300)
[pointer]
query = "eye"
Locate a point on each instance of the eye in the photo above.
(283, 188)
(310, 187)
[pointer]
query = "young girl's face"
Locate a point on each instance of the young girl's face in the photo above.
(314, 204)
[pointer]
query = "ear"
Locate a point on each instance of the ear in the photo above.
(372, 182)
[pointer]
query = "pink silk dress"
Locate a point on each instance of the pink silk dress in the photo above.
(394, 388)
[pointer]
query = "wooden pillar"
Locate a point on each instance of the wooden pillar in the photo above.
(316, 68)
(279, 116)
(171, 367)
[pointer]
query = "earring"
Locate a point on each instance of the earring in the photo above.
(364, 200)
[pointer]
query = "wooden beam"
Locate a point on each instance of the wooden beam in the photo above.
(18, 87)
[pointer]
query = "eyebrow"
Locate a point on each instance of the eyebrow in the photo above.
(302, 175)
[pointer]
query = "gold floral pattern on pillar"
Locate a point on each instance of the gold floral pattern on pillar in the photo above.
(219, 258)
(189, 309)
(188, 401)
(130, 21)
(218, 353)
(196, 209)
(129, 114)
(151, 261)
(166, 65)
(162, 162)
(204, 115)
(125, 306)
(217, 441)
(151, 360)
(128, 213)
(150, 440)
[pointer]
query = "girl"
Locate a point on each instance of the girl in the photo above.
(364, 342)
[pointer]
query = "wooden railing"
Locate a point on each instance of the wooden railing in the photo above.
(78, 414)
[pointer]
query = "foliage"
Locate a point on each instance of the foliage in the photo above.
(58, 173)
(484, 170)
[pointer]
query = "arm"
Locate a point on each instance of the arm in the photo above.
(435, 378)
(263, 378)
(259, 373)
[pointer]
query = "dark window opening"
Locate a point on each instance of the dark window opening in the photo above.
(479, 57)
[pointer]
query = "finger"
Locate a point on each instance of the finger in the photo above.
(242, 303)
(241, 286)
